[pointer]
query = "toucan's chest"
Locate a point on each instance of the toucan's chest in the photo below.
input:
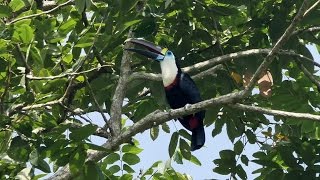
(174, 94)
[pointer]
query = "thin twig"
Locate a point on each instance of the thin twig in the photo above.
(311, 8)
(66, 74)
(39, 14)
(310, 29)
(95, 101)
(302, 116)
(309, 75)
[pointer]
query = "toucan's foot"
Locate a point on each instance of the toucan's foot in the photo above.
(187, 106)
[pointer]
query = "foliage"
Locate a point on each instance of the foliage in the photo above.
(57, 65)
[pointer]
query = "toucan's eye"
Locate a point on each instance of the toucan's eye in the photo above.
(169, 53)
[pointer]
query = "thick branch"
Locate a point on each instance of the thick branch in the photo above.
(303, 116)
(276, 48)
(119, 94)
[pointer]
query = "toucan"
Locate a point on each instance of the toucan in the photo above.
(179, 88)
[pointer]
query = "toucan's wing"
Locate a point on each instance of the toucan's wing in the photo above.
(189, 88)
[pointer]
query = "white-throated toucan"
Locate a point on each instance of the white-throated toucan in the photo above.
(180, 89)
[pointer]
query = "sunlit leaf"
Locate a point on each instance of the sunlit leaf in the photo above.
(16, 5)
(130, 158)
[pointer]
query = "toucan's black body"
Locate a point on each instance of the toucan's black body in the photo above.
(180, 89)
(184, 91)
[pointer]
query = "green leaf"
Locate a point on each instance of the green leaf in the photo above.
(39, 163)
(173, 143)
(16, 5)
(67, 26)
(114, 169)
(5, 11)
(307, 127)
(218, 126)
(80, 78)
(238, 147)
(128, 148)
(241, 173)
(92, 171)
(95, 147)
(67, 58)
(178, 157)
(5, 137)
(167, 3)
(19, 149)
(80, 4)
(222, 170)
(185, 149)
(165, 127)
(251, 136)
(244, 159)
(185, 134)
(83, 132)
(130, 158)
(195, 160)
(24, 33)
(77, 160)
(126, 177)
(128, 168)
(112, 158)
(154, 132)
(126, 6)
(223, 10)
(43, 166)
(227, 154)
(85, 41)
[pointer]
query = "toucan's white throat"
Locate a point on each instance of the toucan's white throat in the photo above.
(169, 70)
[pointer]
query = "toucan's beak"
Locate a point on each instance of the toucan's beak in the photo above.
(152, 51)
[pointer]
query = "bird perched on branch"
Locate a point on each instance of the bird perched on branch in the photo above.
(180, 89)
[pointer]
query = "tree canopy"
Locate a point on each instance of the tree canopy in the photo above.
(60, 60)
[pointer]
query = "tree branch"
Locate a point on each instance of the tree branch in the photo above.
(218, 60)
(95, 100)
(67, 74)
(272, 112)
(119, 94)
(310, 29)
(276, 48)
(42, 13)
(309, 75)
(311, 8)
(211, 71)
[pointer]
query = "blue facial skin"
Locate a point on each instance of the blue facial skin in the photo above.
(161, 57)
